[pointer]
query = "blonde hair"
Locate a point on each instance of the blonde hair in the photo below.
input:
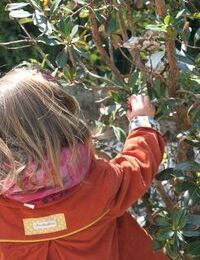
(37, 118)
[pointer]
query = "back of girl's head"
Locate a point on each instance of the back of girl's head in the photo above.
(37, 118)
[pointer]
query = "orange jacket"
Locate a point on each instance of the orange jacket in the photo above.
(90, 222)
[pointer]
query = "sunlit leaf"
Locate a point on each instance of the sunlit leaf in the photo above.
(19, 14)
(155, 28)
(197, 36)
(195, 15)
(15, 6)
(42, 23)
(36, 4)
(164, 233)
(167, 19)
(25, 20)
(54, 6)
(119, 133)
(74, 31)
(49, 40)
(155, 59)
(82, 2)
(180, 13)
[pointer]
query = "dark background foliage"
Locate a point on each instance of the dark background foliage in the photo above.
(104, 51)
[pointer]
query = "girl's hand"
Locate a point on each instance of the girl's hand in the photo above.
(139, 105)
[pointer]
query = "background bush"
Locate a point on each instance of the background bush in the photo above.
(104, 51)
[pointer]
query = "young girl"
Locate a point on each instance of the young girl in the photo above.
(57, 200)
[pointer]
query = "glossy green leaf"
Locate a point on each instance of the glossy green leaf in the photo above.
(61, 59)
(193, 219)
(179, 219)
(157, 245)
(194, 249)
(111, 24)
(164, 234)
(49, 40)
(191, 233)
(169, 173)
(132, 82)
(162, 221)
(42, 23)
(65, 25)
(115, 96)
(188, 166)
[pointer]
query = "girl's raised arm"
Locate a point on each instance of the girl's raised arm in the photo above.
(138, 163)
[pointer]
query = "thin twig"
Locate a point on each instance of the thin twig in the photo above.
(18, 47)
(71, 56)
(37, 47)
(110, 48)
(5, 44)
(190, 46)
(99, 77)
(106, 88)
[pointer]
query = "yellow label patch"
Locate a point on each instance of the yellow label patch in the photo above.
(44, 225)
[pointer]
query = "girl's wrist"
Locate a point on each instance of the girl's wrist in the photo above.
(143, 121)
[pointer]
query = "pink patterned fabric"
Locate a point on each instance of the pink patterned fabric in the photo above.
(41, 184)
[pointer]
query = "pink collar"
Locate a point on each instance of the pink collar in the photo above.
(41, 186)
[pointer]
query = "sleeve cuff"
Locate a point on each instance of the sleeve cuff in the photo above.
(144, 121)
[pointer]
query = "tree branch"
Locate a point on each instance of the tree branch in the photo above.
(130, 16)
(173, 86)
(99, 45)
(165, 197)
(122, 26)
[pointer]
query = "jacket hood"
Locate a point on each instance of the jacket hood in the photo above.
(40, 185)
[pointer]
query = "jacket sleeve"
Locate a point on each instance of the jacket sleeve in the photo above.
(135, 167)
